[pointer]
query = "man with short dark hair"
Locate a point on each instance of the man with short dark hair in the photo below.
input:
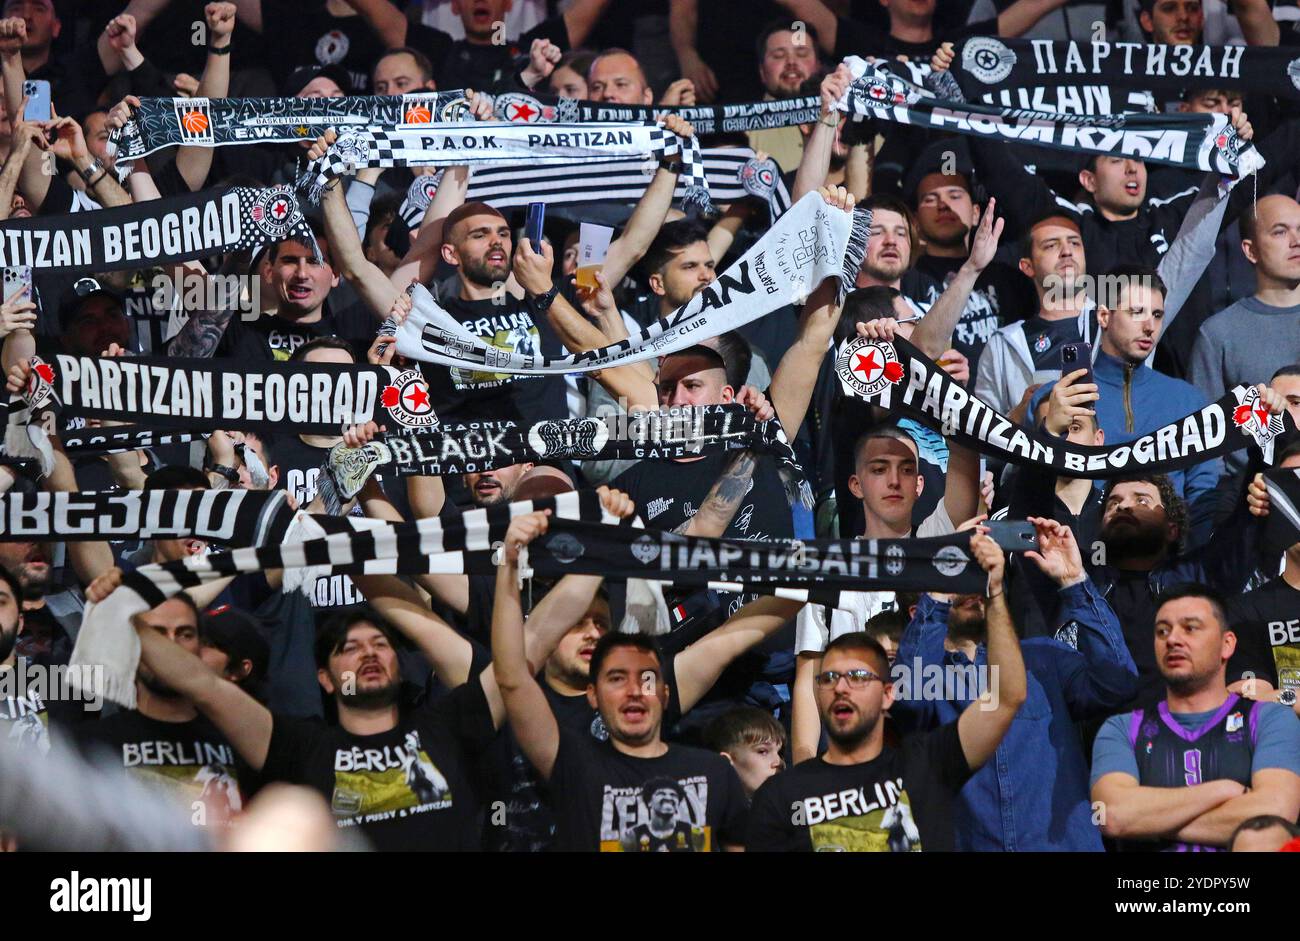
(165, 739)
(1132, 399)
(1266, 833)
(402, 71)
(863, 796)
(610, 794)
(787, 57)
(1185, 774)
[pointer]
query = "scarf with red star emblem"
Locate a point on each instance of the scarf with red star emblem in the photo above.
(900, 378)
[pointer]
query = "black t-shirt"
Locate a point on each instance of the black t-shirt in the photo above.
(669, 493)
(1046, 337)
(304, 32)
(25, 718)
(191, 761)
(856, 39)
(300, 469)
(1267, 624)
(686, 800)
(899, 802)
(409, 788)
(1135, 606)
(530, 819)
(466, 395)
(462, 64)
(1000, 296)
(272, 337)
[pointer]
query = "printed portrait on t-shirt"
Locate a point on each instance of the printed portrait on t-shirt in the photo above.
(201, 775)
(27, 720)
(862, 821)
(661, 816)
(373, 784)
(515, 333)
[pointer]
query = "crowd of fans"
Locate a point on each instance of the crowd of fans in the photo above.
(1142, 662)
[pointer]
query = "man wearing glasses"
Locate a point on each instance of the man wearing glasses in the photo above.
(861, 796)
(1129, 397)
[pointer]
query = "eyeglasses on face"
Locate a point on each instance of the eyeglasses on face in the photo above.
(829, 679)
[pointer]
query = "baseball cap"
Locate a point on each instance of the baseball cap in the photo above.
(300, 78)
(82, 289)
(237, 635)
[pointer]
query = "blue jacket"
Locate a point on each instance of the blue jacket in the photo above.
(1033, 793)
(1136, 401)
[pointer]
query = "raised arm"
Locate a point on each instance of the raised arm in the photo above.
(796, 375)
(933, 334)
(244, 721)
(422, 257)
(683, 28)
(384, 18)
(24, 136)
(984, 722)
(1255, 17)
(699, 665)
(805, 723)
(817, 15)
(194, 163)
(1023, 15)
(648, 216)
(816, 160)
(580, 19)
(529, 712)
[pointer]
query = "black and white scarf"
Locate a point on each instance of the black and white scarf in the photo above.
(204, 394)
(900, 378)
(808, 570)
(218, 122)
(93, 442)
(456, 545)
(732, 173)
(529, 108)
(485, 144)
(230, 517)
(1206, 142)
(665, 434)
(1282, 528)
(807, 245)
(985, 64)
(161, 231)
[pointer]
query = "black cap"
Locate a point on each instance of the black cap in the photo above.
(82, 289)
(300, 78)
(239, 636)
(950, 154)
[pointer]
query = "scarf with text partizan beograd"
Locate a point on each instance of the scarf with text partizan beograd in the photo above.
(807, 245)
(985, 64)
(1206, 142)
(157, 232)
(899, 377)
(176, 393)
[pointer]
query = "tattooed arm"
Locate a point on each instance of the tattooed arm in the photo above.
(720, 506)
(202, 333)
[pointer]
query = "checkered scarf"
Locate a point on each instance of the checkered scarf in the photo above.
(493, 144)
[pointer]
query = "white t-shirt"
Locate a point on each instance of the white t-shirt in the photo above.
(812, 633)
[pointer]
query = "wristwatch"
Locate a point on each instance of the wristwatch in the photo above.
(1286, 696)
(223, 51)
(88, 174)
(225, 471)
(541, 302)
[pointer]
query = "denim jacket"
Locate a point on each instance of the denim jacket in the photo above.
(1033, 793)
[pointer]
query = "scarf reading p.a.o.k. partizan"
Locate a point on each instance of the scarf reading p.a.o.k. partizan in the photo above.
(488, 144)
(810, 243)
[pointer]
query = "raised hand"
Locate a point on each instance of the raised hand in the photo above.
(614, 502)
(523, 530)
(990, 557)
(680, 93)
(834, 85)
(985, 243)
(17, 313)
(756, 402)
(356, 436)
(533, 266)
(121, 31)
(678, 125)
(1058, 553)
(220, 18)
(837, 197)
(941, 61)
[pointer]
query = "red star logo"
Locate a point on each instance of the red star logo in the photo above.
(418, 398)
(523, 112)
(866, 365)
(279, 208)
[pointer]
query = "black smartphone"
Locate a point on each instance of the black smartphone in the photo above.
(1076, 356)
(1013, 535)
(533, 228)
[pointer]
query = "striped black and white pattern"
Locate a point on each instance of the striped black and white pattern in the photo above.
(95, 441)
(618, 181)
